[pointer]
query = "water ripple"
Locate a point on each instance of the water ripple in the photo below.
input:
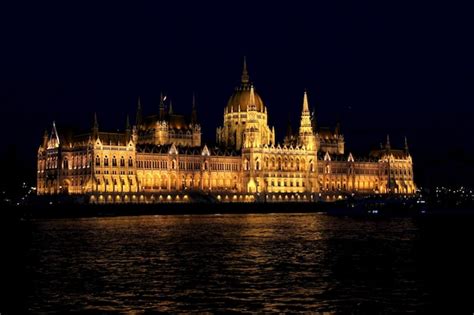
(241, 263)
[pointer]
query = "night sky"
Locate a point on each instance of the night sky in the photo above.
(388, 67)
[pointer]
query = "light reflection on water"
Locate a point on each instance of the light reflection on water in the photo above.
(271, 263)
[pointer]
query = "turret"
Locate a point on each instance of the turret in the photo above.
(252, 137)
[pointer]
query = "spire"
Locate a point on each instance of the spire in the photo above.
(305, 102)
(170, 110)
(245, 74)
(387, 144)
(54, 139)
(127, 123)
(306, 125)
(252, 104)
(96, 123)
(95, 127)
(406, 145)
(45, 139)
(337, 130)
(194, 111)
(138, 120)
(162, 106)
(128, 131)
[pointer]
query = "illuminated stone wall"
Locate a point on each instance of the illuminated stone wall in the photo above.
(161, 159)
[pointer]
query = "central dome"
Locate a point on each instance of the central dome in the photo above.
(241, 97)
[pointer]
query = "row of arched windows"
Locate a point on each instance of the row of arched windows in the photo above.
(276, 164)
(114, 161)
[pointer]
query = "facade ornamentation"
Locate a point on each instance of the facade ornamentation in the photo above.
(162, 159)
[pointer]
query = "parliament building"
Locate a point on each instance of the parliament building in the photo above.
(161, 158)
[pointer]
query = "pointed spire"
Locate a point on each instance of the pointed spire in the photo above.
(194, 111)
(406, 145)
(54, 138)
(128, 130)
(45, 139)
(95, 127)
(305, 102)
(162, 106)
(252, 104)
(245, 74)
(96, 122)
(170, 110)
(127, 123)
(387, 144)
(337, 130)
(138, 120)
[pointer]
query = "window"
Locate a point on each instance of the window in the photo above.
(106, 161)
(114, 161)
(122, 161)
(130, 161)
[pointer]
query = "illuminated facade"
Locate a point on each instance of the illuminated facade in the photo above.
(161, 159)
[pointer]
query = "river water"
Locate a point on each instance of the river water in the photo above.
(243, 263)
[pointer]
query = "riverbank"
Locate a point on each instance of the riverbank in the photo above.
(358, 209)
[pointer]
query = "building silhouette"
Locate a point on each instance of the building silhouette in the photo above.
(161, 158)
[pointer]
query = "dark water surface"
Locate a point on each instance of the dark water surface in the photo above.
(256, 263)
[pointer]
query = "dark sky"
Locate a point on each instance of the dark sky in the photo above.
(398, 67)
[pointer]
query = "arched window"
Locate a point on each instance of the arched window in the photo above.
(122, 161)
(114, 161)
(130, 161)
(106, 161)
(65, 164)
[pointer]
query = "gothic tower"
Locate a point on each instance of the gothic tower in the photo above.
(306, 134)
